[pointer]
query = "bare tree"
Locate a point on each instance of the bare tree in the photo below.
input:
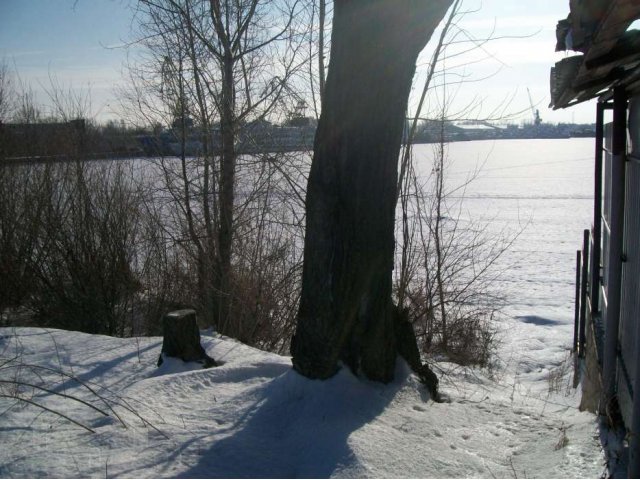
(320, 12)
(222, 65)
(7, 92)
(447, 262)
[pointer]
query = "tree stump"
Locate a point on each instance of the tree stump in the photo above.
(182, 339)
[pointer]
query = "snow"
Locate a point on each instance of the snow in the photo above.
(254, 416)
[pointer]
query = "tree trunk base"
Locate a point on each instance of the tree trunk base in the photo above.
(182, 339)
(407, 348)
(316, 366)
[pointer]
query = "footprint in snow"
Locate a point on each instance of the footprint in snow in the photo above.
(419, 408)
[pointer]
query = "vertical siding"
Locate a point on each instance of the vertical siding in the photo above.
(630, 302)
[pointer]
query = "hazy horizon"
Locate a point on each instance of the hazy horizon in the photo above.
(82, 45)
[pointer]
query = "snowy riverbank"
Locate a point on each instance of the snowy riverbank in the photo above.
(255, 417)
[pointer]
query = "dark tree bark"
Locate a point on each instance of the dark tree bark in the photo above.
(226, 198)
(346, 309)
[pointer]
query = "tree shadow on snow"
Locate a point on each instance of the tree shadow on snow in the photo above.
(296, 428)
(97, 371)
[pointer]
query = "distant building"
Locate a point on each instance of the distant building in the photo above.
(479, 131)
(434, 131)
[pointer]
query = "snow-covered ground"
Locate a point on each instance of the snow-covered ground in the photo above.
(254, 417)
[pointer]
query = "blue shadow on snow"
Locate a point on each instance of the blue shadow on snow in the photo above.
(296, 428)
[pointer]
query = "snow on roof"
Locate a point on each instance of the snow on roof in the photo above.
(478, 126)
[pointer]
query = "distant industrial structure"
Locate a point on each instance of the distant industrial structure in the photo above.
(433, 131)
(49, 141)
(259, 136)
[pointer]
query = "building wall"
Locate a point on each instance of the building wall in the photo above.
(627, 356)
(590, 372)
(630, 304)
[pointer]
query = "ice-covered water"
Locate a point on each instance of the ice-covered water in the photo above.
(255, 417)
(541, 189)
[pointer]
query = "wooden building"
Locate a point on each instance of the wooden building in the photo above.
(607, 67)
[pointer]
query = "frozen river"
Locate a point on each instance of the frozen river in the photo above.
(541, 190)
(544, 190)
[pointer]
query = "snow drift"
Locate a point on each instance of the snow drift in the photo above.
(255, 417)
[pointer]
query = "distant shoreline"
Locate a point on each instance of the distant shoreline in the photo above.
(140, 154)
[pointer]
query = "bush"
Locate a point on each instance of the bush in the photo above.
(69, 235)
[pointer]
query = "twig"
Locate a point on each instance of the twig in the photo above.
(55, 412)
(72, 377)
(64, 395)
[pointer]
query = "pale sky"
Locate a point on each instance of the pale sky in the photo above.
(74, 41)
(518, 61)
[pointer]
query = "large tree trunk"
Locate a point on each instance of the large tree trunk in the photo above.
(346, 309)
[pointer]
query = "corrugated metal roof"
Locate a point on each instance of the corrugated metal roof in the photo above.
(611, 53)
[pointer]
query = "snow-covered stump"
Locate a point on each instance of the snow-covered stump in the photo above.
(181, 339)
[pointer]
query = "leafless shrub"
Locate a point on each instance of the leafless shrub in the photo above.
(86, 247)
(81, 243)
(18, 234)
(448, 268)
(563, 441)
(446, 260)
(69, 236)
(558, 378)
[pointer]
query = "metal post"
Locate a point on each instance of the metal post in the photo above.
(577, 303)
(614, 278)
(583, 292)
(597, 211)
